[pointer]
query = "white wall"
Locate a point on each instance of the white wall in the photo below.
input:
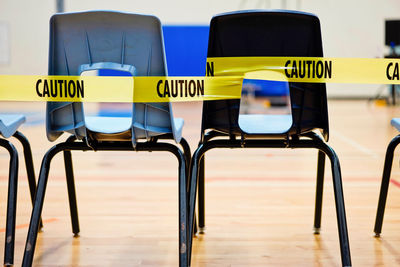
(350, 28)
(27, 23)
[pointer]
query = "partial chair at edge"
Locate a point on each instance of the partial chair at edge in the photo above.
(266, 34)
(9, 123)
(387, 169)
(118, 41)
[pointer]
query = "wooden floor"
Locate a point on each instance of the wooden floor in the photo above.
(259, 203)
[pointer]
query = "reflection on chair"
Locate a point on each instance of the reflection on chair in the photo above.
(275, 33)
(132, 43)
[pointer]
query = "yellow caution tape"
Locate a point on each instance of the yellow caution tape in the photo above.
(224, 80)
(178, 89)
(309, 69)
(117, 89)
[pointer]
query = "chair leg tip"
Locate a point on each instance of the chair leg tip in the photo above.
(195, 234)
(202, 230)
(317, 231)
(8, 264)
(377, 234)
(76, 235)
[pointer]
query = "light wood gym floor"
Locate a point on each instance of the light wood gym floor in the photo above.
(259, 202)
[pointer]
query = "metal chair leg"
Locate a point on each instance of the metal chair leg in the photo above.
(319, 192)
(69, 173)
(201, 192)
(73, 207)
(339, 201)
(11, 203)
(122, 146)
(183, 211)
(315, 142)
(186, 152)
(183, 197)
(188, 158)
(201, 186)
(385, 184)
(30, 171)
(194, 175)
(38, 206)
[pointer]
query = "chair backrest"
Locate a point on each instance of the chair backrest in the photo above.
(268, 33)
(113, 40)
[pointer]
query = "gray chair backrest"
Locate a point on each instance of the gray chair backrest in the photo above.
(112, 40)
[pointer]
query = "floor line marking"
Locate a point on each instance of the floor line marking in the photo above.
(355, 144)
(60, 180)
(395, 182)
(25, 225)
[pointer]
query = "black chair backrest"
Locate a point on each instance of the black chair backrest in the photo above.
(263, 34)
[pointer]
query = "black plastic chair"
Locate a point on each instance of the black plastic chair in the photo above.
(387, 169)
(9, 124)
(132, 43)
(269, 33)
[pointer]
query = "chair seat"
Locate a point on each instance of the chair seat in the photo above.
(396, 123)
(119, 128)
(108, 125)
(9, 124)
(265, 124)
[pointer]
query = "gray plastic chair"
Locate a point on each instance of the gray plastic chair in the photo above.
(9, 124)
(118, 41)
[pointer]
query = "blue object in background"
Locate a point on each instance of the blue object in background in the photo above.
(266, 88)
(110, 109)
(108, 72)
(186, 53)
(186, 49)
